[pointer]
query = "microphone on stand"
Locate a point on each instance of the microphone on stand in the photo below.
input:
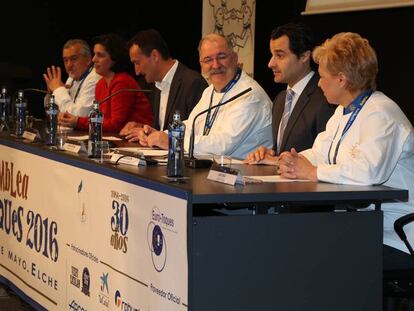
(36, 90)
(191, 161)
(124, 90)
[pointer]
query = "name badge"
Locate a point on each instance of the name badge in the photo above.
(30, 136)
(127, 159)
(225, 175)
(74, 146)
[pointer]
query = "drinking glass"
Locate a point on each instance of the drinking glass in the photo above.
(222, 160)
(103, 150)
(60, 138)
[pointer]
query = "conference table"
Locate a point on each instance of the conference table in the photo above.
(76, 234)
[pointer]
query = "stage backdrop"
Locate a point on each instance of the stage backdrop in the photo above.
(236, 20)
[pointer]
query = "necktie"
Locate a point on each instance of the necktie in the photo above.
(285, 117)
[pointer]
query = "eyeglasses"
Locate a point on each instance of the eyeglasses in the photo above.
(219, 57)
(72, 58)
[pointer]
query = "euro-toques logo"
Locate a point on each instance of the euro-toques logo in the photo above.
(156, 238)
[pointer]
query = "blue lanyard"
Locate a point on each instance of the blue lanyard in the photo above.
(210, 120)
(82, 79)
(354, 107)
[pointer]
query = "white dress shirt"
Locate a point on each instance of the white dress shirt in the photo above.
(378, 148)
(164, 86)
(82, 104)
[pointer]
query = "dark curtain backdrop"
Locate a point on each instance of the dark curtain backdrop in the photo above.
(33, 34)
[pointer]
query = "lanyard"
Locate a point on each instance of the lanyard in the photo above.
(354, 107)
(210, 119)
(82, 79)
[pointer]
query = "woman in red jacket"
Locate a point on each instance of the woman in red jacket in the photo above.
(111, 62)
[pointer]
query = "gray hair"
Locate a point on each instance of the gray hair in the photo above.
(85, 49)
(214, 37)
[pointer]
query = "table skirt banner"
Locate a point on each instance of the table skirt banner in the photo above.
(72, 239)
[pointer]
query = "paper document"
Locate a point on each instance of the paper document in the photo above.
(274, 178)
(79, 138)
(237, 161)
(112, 138)
(145, 151)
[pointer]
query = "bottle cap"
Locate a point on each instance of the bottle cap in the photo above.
(177, 116)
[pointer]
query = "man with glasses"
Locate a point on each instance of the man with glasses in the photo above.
(76, 96)
(234, 129)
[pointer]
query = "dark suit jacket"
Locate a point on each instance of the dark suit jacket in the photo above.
(186, 89)
(308, 118)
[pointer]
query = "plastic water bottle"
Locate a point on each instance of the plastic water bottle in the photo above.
(4, 109)
(20, 105)
(95, 130)
(176, 132)
(52, 111)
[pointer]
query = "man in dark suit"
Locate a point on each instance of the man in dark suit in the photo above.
(301, 111)
(177, 86)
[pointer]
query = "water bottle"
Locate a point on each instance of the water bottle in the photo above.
(52, 111)
(4, 109)
(176, 131)
(20, 105)
(95, 130)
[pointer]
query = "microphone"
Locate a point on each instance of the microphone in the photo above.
(191, 161)
(36, 90)
(138, 155)
(123, 90)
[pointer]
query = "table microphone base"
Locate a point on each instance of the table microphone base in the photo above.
(197, 163)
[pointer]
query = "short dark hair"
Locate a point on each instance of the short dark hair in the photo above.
(148, 40)
(300, 37)
(116, 47)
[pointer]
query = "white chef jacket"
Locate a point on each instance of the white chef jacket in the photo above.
(239, 127)
(378, 148)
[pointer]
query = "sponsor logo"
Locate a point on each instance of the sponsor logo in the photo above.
(74, 277)
(103, 298)
(122, 304)
(104, 282)
(159, 224)
(76, 306)
(85, 281)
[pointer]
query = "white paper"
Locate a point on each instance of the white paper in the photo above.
(111, 138)
(145, 151)
(78, 138)
(274, 178)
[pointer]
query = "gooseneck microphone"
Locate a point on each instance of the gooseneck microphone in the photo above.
(36, 90)
(191, 161)
(124, 90)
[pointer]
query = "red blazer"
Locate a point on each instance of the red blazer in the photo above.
(123, 107)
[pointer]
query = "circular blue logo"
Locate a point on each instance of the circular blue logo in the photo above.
(157, 240)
